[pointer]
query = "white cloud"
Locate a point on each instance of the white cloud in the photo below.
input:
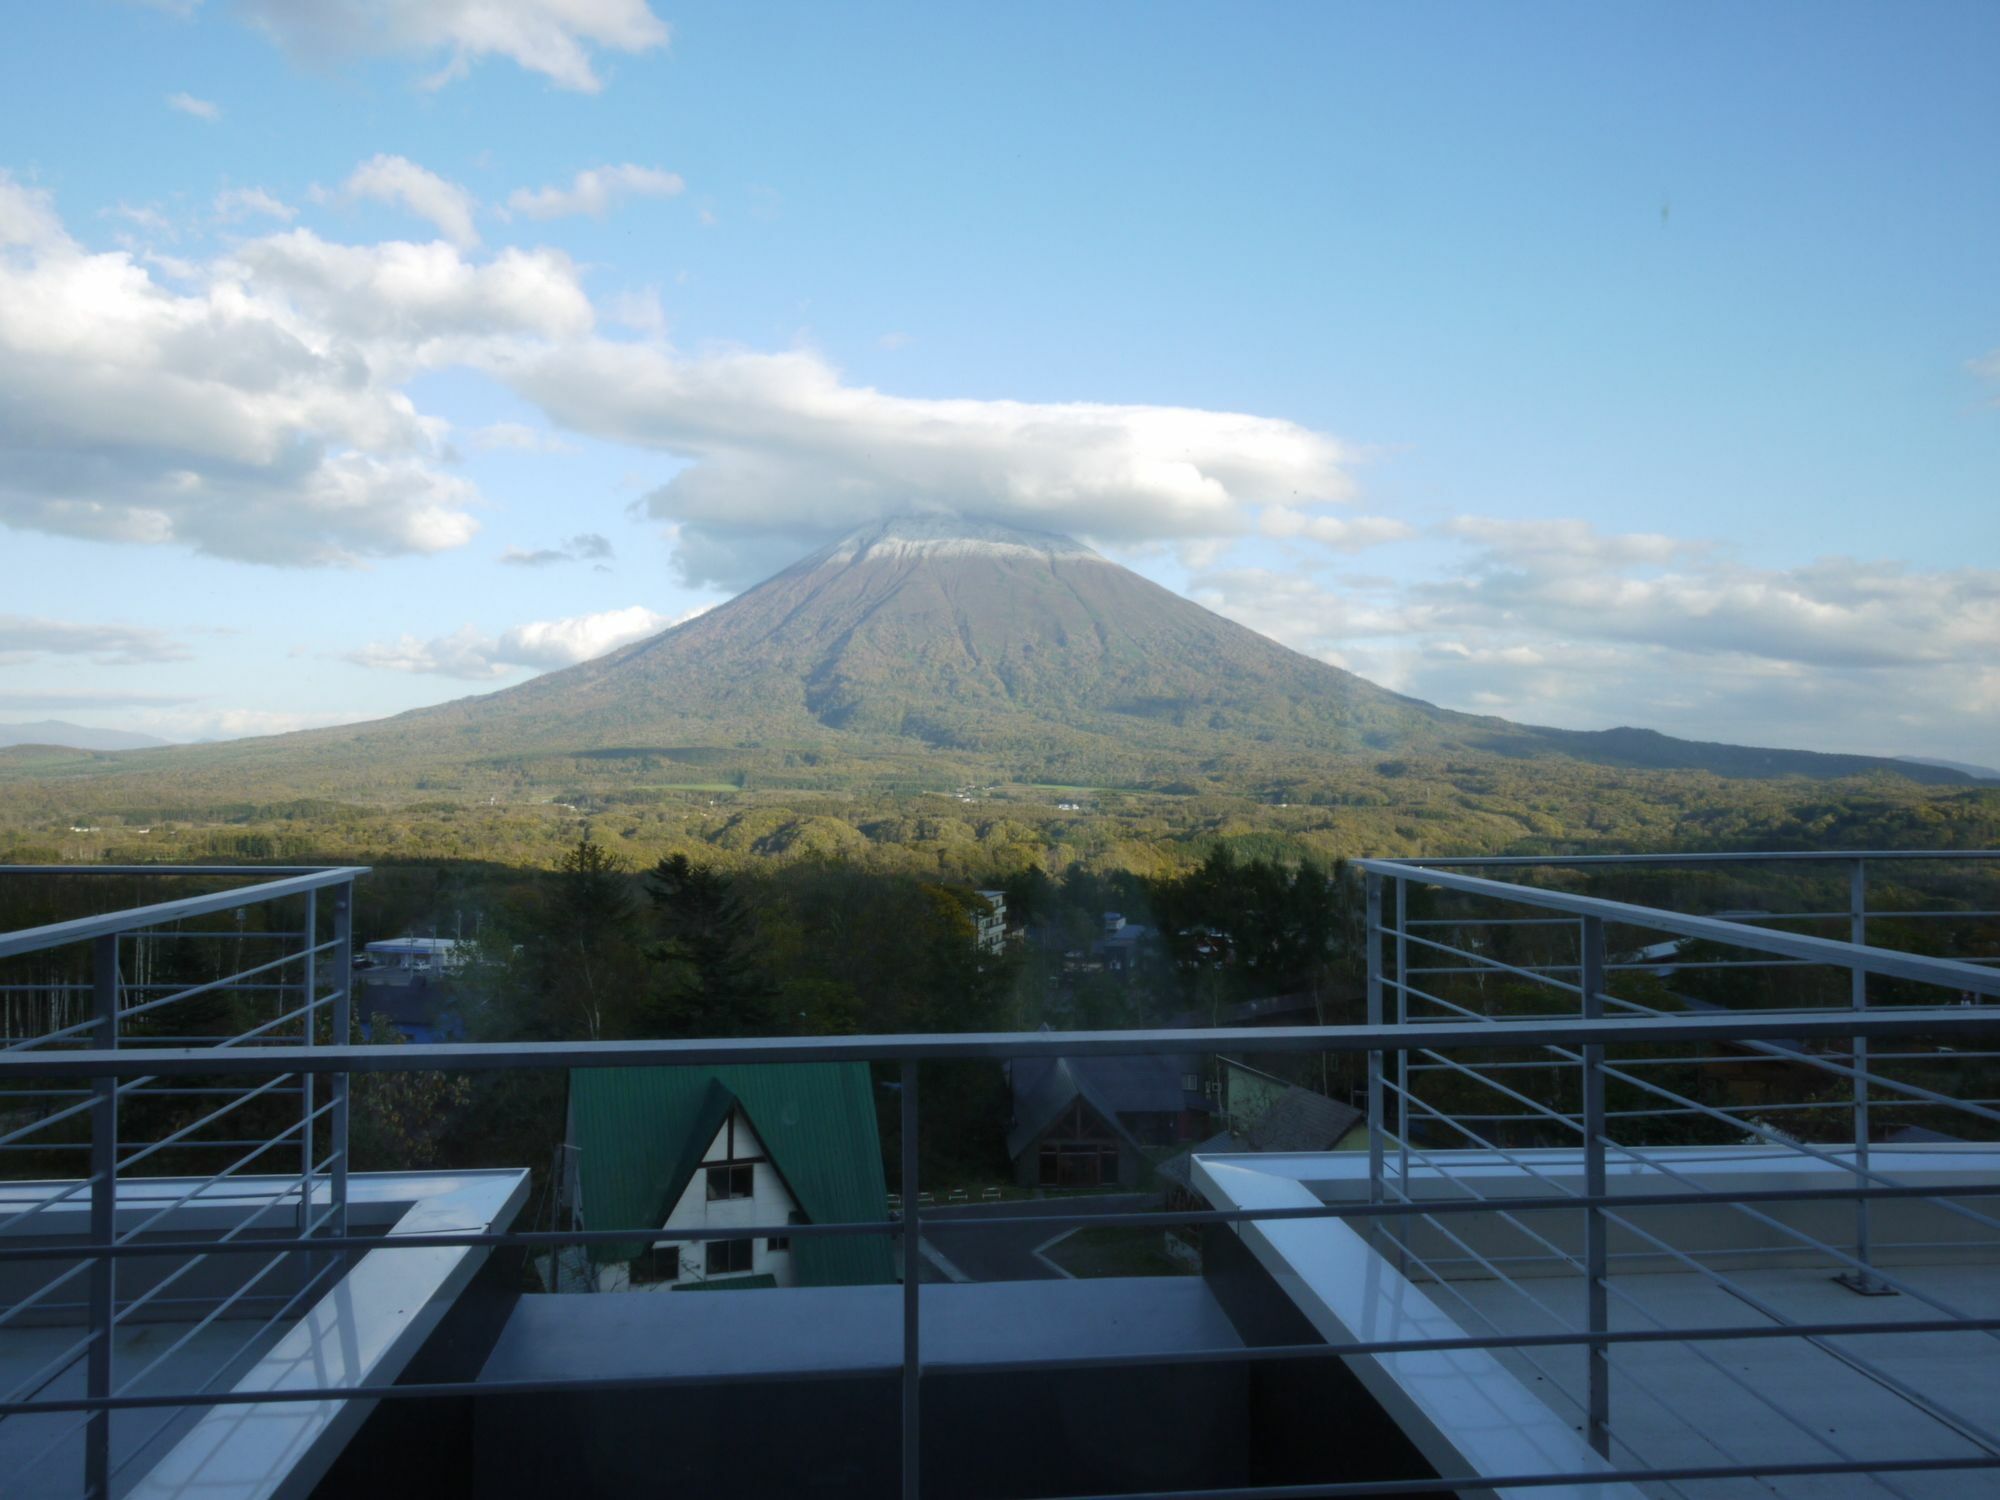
(540, 645)
(639, 310)
(400, 181)
(785, 453)
(592, 190)
(201, 109)
(1294, 608)
(516, 437)
(1568, 545)
(235, 417)
(1566, 579)
(232, 204)
(419, 306)
(586, 546)
(1556, 622)
(1342, 535)
(554, 38)
(563, 643)
(27, 215)
(23, 639)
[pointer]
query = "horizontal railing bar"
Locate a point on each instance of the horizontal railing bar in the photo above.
(1163, 1218)
(1347, 1349)
(1416, 922)
(1637, 966)
(1734, 1252)
(79, 929)
(127, 986)
(1788, 856)
(1833, 1106)
(1365, 1489)
(187, 1093)
(228, 936)
(1890, 916)
(417, 1057)
(216, 1040)
(189, 1145)
(217, 870)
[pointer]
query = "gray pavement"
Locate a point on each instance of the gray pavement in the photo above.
(1008, 1254)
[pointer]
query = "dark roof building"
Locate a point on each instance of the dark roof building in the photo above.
(1088, 1121)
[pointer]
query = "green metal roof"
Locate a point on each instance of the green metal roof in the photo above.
(642, 1133)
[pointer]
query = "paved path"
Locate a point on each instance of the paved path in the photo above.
(1009, 1254)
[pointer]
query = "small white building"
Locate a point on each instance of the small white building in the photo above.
(435, 956)
(992, 925)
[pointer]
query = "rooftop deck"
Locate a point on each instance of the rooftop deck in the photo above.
(1591, 1250)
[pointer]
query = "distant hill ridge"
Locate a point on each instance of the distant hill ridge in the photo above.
(75, 736)
(934, 645)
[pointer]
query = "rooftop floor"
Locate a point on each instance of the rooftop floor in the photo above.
(1675, 1406)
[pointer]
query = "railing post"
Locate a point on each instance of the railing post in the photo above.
(1374, 1058)
(1595, 1256)
(1399, 1228)
(343, 1035)
(308, 988)
(1402, 1054)
(103, 1216)
(913, 1261)
(1861, 1279)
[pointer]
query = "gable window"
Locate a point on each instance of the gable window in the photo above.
(784, 1241)
(732, 1180)
(727, 1256)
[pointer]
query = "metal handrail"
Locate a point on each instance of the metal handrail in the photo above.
(118, 923)
(1786, 856)
(486, 1057)
(1888, 962)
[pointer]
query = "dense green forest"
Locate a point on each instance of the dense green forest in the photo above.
(644, 807)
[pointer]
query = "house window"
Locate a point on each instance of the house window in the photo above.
(784, 1241)
(727, 1256)
(736, 1180)
(655, 1264)
(1074, 1164)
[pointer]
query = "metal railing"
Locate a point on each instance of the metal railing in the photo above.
(1456, 978)
(1599, 1040)
(161, 977)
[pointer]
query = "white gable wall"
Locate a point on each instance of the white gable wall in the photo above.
(769, 1203)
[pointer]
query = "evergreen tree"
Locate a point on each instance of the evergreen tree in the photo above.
(712, 987)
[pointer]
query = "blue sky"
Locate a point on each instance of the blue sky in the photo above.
(1589, 365)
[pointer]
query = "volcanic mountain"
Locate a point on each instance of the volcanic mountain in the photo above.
(938, 650)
